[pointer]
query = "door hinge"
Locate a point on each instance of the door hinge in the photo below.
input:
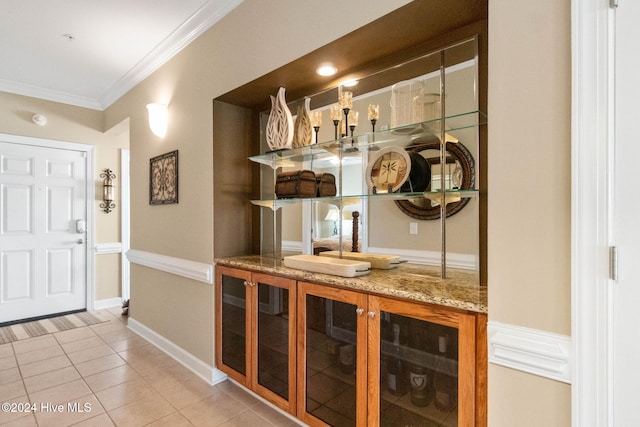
(613, 4)
(613, 263)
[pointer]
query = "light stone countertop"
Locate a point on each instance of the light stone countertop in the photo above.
(408, 281)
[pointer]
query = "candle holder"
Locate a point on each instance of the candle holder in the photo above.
(345, 99)
(316, 122)
(353, 122)
(335, 114)
(346, 120)
(373, 115)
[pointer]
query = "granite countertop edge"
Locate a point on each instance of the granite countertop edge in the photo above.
(409, 282)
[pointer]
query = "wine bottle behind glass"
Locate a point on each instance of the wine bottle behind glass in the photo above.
(397, 381)
(446, 386)
(421, 394)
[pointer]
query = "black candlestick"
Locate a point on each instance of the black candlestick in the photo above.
(346, 119)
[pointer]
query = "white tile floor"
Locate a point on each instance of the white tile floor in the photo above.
(105, 375)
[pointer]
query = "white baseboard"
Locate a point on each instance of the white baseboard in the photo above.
(292, 246)
(107, 303)
(454, 260)
(181, 267)
(530, 350)
(205, 371)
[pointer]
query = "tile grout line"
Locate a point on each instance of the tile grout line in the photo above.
(106, 412)
(80, 375)
(66, 353)
(142, 378)
(146, 378)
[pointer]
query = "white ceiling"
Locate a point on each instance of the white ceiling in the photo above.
(115, 44)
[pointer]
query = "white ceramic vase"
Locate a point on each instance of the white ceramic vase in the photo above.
(303, 131)
(279, 132)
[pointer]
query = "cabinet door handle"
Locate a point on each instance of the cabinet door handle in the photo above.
(245, 283)
(359, 311)
(371, 314)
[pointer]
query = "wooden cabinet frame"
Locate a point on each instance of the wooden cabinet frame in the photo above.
(463, 322)
(250, 380)
(350, 297)
(472, 346)
(471, 371)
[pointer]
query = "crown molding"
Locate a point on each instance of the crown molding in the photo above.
(203, 19)
(49, 95)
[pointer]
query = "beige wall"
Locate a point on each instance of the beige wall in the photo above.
(252, 40)
(84, 126)
(529, 175)
(529, 255)
(518, 399)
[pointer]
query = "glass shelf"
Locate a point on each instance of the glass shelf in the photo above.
(451, 196)
(403, 136)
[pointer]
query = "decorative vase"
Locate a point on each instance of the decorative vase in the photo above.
(279, 132)
(303, 131)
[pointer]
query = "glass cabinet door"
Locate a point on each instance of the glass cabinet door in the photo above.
(232, 300)
(415, 352)
(332, 356)
(274, 343)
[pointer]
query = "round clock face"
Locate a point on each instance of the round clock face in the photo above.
(388, 169)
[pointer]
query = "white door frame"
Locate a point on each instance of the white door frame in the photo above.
(125, 223)
(89, 191)
(591, 134)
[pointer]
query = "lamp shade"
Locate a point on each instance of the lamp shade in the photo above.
(332, 215)
(158, 118)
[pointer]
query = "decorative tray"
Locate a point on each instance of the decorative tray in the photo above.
(326, 265)
(379, 261)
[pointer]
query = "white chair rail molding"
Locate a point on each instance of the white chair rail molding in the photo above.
(530, 350)
(181, 267)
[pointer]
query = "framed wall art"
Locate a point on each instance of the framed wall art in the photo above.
(163, 179)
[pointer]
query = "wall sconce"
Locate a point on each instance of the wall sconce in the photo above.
(107, 190)
(158, 118)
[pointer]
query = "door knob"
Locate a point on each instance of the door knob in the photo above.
(79, 241)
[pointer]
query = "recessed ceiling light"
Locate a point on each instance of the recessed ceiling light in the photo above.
(326, 70)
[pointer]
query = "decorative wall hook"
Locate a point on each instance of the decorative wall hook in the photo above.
(108, 191)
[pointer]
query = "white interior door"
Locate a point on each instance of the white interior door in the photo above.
(626, 216)
(43, 216)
